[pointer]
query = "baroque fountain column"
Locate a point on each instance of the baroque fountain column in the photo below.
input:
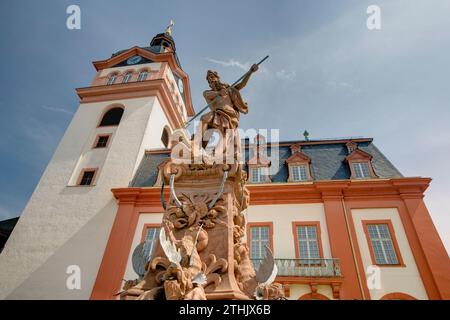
(200, 254)
(218, 210)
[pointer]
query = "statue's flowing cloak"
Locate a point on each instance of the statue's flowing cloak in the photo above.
(227, 117)
(238, 102)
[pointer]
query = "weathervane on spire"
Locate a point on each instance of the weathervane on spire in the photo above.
(169, 28)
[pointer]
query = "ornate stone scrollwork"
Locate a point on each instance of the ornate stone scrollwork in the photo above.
(195, 211)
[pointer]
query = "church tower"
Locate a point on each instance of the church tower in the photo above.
(136, 99)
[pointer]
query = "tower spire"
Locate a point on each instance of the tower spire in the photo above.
(169, 28)
(165, 40)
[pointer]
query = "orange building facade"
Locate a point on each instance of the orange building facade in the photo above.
(342, 202)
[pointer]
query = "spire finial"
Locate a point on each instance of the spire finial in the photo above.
(306, 135)
(169, 28)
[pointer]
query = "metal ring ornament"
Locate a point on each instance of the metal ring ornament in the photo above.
(172, 191)
(219, 194)
(163, 201)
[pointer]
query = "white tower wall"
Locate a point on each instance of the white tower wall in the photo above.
(64, 224)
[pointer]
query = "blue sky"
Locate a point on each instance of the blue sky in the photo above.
(327, 73)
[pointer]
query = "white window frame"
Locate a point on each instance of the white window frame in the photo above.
(299, 172)
(150, 240)
(260, 174)
(310, 242)
(259, 242)
(361, 170)
(381, 245)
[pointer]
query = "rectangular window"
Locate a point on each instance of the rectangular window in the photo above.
(299, 173)
(258, 174)
(308, 244)
(87, 178)
(259, 238)
(383, 248)
(151, 236)
(102, 141)
(361, 170)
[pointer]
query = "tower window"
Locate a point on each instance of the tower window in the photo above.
(112, 117)
(112, 79)
(101, 141)
(142, 75)
(361, 170)
(127, 77)
(165, 137)
(87, 177)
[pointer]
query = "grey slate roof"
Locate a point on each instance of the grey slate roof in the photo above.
(6, 228)
(327, 162)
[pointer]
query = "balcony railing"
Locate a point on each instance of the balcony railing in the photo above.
(305, 267)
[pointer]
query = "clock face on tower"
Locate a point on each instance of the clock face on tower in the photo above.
(134, 60)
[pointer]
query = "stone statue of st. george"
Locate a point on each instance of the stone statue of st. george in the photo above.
(225, 102)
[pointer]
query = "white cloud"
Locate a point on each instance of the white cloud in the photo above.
(280, 74)
(342, 85)
(285, 75)
(231, 63)
(56, 109)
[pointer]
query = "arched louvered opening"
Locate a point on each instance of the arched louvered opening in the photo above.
(112, 117)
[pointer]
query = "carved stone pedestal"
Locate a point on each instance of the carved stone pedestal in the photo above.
(203, 217)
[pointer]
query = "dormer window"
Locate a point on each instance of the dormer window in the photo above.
(127, 77)
(142, 75)
(112, 79)
(298, 164)
(259, 164)
(359, 162)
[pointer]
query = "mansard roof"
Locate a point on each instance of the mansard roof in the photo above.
(328, 161)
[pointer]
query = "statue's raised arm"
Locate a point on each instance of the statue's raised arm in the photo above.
(247, 76)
